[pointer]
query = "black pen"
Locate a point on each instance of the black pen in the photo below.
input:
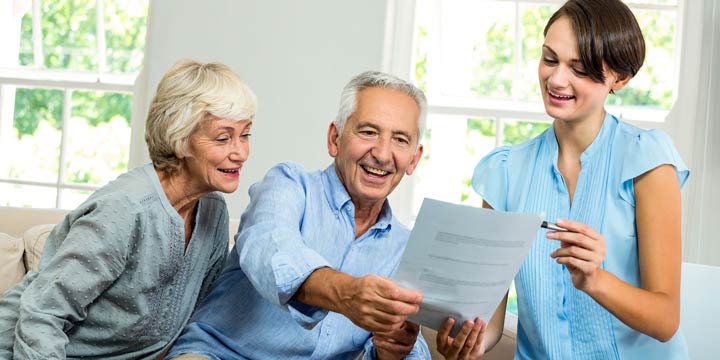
(551, 226)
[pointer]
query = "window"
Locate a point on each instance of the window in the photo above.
(67, 72)
(477, 62)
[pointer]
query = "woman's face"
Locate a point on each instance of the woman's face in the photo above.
(568, 94)
(217, 151)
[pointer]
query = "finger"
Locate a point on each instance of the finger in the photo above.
(578, 227)
(377, 322)
(401, 294)
(389, 306)
(443, 334)
(406, 335)
(369, 313)
(576, 252)
(479, 348)
(459, 342)
(582, 266)
(574, 239)
(472, 339)
(382, 343)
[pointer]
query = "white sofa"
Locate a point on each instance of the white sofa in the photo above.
(30, 228)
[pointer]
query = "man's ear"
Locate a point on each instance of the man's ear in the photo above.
(415, 160)
(332, 139)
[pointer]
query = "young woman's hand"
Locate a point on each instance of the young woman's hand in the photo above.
(468, 344)
(582, 251)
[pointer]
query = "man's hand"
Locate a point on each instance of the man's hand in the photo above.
(377, 305)
(371, 302)
(396, 344)
(468, 344)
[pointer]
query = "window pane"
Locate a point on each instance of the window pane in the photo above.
(469, 47)
(35, 142)
(653, 85)
(27, 196)
(71, 199)
(26, 43)
(517, 132)
(98, 137)
(68, 29)
(125, 34)
(534, 17)
(512, 300)
(453, 145)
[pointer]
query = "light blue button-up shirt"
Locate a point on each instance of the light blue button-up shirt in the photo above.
(555, 320)
(296, 223)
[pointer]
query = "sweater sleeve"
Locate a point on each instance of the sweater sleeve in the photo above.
(219, 255)
(84, 255)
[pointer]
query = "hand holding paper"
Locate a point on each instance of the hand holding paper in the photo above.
(463, 259)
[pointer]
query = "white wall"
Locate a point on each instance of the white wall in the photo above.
(697, 130)
(295, 55)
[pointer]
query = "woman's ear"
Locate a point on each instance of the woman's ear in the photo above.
(620, 83)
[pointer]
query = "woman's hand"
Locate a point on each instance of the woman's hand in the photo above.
(582, 251)
(468, 344)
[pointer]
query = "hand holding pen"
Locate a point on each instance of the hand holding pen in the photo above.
(582, 251)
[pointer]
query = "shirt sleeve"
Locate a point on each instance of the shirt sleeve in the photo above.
(75, 269)
(648, 150)
(420, 351)
(270, 247)
(490, 178)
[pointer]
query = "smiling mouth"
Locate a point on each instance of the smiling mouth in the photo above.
(560, 97)
(374, 171)
(229, 171)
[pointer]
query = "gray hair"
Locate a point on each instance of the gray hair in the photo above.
(370, 79)
(187, 95)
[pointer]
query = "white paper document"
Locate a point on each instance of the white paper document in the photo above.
(462, 259)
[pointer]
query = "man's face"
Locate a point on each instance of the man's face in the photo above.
(378, 145)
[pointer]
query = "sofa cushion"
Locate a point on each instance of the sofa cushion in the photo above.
(12, 267)
(34, 240)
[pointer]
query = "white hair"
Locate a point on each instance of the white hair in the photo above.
(188, 94)
(370, 79)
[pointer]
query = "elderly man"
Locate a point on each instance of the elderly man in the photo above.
(308, 277)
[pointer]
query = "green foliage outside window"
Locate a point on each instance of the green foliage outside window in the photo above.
(97, 142)
(69, 42)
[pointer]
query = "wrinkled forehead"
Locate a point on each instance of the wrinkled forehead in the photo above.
(387, 108)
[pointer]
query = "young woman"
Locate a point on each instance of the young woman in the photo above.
(609, 287)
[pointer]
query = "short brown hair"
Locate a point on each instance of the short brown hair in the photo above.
(607, 33)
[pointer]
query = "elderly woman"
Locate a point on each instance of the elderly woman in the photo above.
(121, 274)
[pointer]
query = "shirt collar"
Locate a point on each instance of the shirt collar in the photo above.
(605, 130)
(597, 144)
(338, 197)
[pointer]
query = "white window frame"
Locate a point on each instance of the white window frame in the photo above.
(694, 64)
(36, 77)
(399, 60)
